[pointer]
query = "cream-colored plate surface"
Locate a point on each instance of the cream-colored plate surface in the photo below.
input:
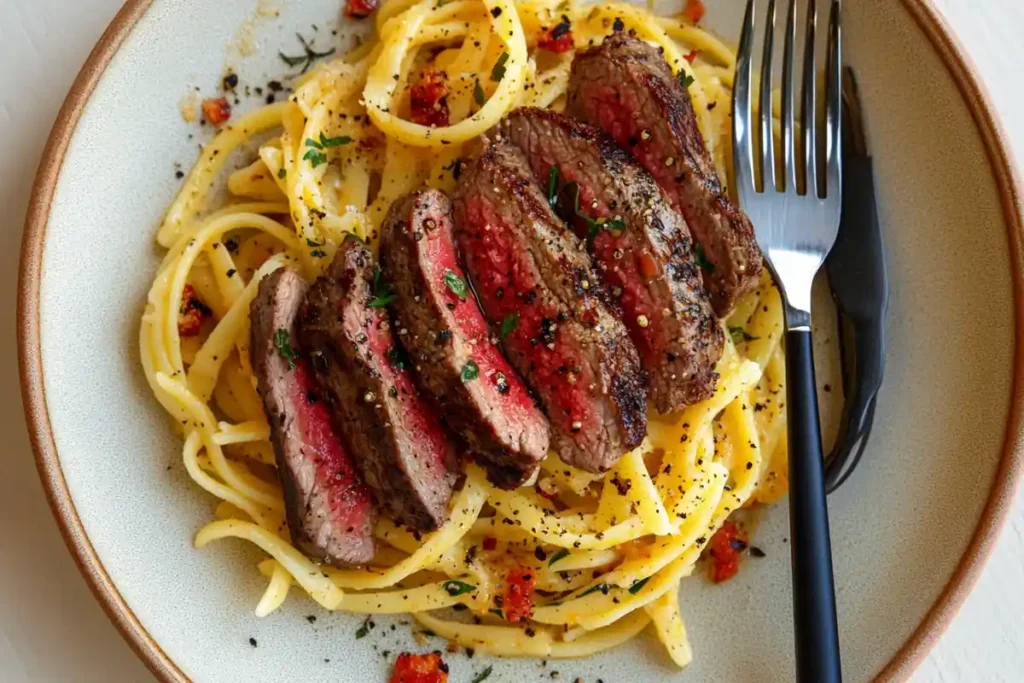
(900, 526)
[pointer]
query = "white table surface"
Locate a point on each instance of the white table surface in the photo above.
(51, 628)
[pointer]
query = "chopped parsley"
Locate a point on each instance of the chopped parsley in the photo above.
(455, 283)
(615, 226)
(328, 142)
(635, 588)
(603, 587)
(455, 588)
(508, 325)
(498, 72)
(740, 335)
(470, 371)
(701, 260)
(306, 60)
(315, 157)
(478, 92)
(483, 675)
(553, 186)
(559, 555)
(283, 343)
(315, 154)
(282, 173)
(685, 79)
(382, 294)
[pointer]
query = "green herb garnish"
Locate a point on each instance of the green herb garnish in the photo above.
(508, 325)
(603, 587)
(283, 343)
(455, 283)
(553, 186)
(498, 72)
(559, 555)
(740, 335)
(635, 588)
(328, 142)
(701, 260)
(470, 371)
(382, 294)
(478, 92)
(483, 675)
(685, 79)
(282, 174)
(315, 157)
(307, 59)
(458, 587)
(496, 612)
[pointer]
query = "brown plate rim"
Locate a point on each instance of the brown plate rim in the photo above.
(903, 663)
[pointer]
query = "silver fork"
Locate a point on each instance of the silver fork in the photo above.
(796, 219)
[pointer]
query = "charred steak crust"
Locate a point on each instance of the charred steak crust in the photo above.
(627, 88)
(395, 435)
(445, 333)
(646, 261)
(575, 354)
(330, 514)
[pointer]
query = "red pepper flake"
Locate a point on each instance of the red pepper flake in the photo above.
(648, 266)
(558, 38)
(360, 9)
(517, 601)
(410, 668)
(694, 11)
(428, 99)
(690, 56)
(192, 313)
(216, 110)
(726, 546)
(490, 543)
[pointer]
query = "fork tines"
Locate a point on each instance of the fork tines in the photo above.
(750, 164)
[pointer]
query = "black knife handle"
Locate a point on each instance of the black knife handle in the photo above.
(814, 605)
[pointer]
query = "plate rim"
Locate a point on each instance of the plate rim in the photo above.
(937, 619)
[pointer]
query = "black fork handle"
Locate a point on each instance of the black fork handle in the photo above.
(814, 603)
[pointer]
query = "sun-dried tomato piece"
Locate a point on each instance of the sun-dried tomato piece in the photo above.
(726, 546)
(216, 110)
(517, 601)
(428, 99)
(410, 668)
(558, 38)
(490, 543)
(360, 9)
(192, 313)
(694, 10)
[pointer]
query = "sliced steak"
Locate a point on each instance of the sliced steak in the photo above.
(641, 247)
(330, 514)
(534, 278)
(395, 435)
(455, 356)
(626, 87)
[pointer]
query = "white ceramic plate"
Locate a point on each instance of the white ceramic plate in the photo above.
(910, 530)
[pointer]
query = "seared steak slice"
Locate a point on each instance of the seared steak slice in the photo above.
(396, 437)
(642, 250)
(534, 278)
(330, 514)
(456, 360)
(626, 87)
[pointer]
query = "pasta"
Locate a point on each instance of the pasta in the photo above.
(607, 562)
